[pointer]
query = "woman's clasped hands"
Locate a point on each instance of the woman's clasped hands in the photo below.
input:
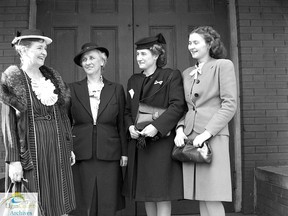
(148, 131)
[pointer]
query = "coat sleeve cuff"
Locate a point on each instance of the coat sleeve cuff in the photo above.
(12, 156)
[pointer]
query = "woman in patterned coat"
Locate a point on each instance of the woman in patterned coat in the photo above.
(211, 95)
(36, 128)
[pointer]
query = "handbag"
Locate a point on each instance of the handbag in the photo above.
(146, 115)
(190, 153)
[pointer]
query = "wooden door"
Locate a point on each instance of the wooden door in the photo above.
(71, 23)
(116, 25)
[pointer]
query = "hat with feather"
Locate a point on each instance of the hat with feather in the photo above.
(29, 34)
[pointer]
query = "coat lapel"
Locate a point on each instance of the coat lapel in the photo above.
(82, 94)
(208, 66)
(152, 86)
(106, 95)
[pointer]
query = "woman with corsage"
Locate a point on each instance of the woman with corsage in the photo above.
(211, 95)
(152, 176)
(36, 128)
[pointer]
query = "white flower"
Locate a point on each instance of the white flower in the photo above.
(44, 90)
(131, 92)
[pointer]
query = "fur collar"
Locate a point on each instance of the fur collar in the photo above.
(13, 87)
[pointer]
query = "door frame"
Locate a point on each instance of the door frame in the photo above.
(237, 118)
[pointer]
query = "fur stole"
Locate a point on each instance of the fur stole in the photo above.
(13, 87)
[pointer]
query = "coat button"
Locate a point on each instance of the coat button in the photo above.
(196, 94)
(197, 81)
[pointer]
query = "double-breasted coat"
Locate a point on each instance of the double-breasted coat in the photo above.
(212, 102)
(151, 174)
(98, 148)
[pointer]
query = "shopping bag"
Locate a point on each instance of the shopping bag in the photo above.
(19, 203)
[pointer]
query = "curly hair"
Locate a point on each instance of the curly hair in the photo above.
(212, 37)
(159, 49)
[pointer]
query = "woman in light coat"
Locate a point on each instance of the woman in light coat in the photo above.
(211, 95)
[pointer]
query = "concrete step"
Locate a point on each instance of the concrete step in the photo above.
(227, 214)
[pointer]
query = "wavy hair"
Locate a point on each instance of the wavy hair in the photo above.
(212, 37)
(159, 49)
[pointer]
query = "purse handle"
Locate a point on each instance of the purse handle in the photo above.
(21, 184)
(190, 142)
(9, 190)
(168, 80)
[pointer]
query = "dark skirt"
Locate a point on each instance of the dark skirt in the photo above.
(158, 177)
(98, 186)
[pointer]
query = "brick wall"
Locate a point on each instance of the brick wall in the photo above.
(14, 15)
(272, 190)
(270, 200)
(263, 46)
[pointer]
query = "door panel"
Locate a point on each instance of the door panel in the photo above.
(116, 25)
(108, 35)
(68, 35)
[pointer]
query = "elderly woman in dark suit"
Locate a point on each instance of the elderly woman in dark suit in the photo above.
(152, 176)
(97, 114)
(211, 95)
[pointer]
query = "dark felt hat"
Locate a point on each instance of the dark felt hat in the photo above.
(30, 33)
(146, 43)
(87, 47)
